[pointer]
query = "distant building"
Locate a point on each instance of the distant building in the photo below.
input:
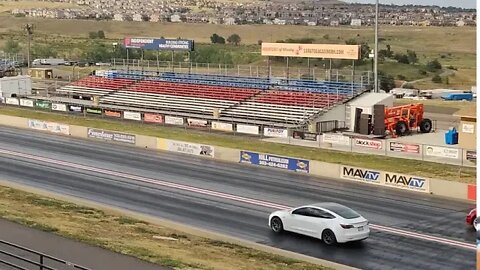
(356, 22)
(118, 17)
(175, 18)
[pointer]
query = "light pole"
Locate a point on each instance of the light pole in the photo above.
(375, 72)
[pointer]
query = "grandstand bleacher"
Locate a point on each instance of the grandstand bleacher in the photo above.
(241, 99)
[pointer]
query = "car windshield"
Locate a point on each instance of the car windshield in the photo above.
(343, 211)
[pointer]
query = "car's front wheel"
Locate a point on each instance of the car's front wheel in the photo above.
(276, 224)
(328, 237)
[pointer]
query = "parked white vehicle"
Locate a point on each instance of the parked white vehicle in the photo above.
(330, 222)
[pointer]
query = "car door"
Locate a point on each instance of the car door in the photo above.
(320, 222)
(303, 221)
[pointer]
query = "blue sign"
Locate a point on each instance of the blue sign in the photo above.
(159, 44)
(292, 164)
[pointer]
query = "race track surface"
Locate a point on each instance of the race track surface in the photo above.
(409, 230)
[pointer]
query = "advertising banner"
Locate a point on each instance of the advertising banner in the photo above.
(368, 143)
(328, 51)
(197, 122)
(336, 139)
(153, 118)
(111, 136)
(468, 128)
(286, 163)
(43, 104)
(248, 129)
(471, 155)
(26, 102)
(407, 182)
(49, 126)
(132, 116)
(301, 135)
(404, 148)
(59, 107)
(110, 113)
(275, 132)
(443, 152)
(172, 120)
(75, 108)
(158, 44)
(12, 101)
(190, 148)
(360, 174)
(94, 111)
(222, 126)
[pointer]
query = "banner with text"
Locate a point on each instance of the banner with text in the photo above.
(402, 181)
(59, 107)
(336, 139)
(153, 118)
(161, 44)
(361, 174)
(26, 102)
(286, 163)
(12, 101)
(443, 152)
(275, 132)
(302, 135)
(110, 113)
(222, 126)
(197, 122)
(111, 136)
(368, 143)
(97, 111)
(328, 51)
(49, 126)
(404, 147)
(188, 148)
(43, 104)
(132, 116)
(75, 108)
(172, 120)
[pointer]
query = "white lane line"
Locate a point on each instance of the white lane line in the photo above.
(222, 195)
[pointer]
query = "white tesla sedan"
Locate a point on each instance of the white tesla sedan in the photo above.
(331, 222)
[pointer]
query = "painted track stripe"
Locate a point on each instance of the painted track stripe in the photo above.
(232, 197)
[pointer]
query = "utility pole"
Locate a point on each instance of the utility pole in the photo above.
(376, 49)
(29, 29)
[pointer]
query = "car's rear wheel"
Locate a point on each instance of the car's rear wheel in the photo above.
(276, 224)
(328, 237)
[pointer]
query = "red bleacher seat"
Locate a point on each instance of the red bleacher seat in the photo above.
(103, 83)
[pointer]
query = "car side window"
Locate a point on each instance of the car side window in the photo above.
(321, 214)
(301, 212)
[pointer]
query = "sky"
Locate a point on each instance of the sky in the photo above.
(444, 3)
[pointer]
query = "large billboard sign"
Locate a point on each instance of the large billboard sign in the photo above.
(329, 51)
(158, 44)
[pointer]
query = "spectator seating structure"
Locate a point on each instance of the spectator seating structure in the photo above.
(239, 99)
(95, 86)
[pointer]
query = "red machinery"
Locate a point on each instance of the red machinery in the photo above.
(402, 119)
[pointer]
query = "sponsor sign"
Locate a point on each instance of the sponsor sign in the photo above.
(406, 182)
(248, 129)
(94, 110)
(59, 107)
(75, 108)
(336, 139)
(471, 155)
(300, 135)
(329, 51)
(404, 148)
(197, 122)
(275, 132)
(286, 163)
(153, 118)
(468, 128)
(359, 174)
(190, 148)
(172, 120)
(49, 126)
(159, 44)
(368, 143)
(12, 101)
(443, 152)
(111, 136)
(43, 104)
(132, 116)
(26, 102)
(115, 114)
(222, 126)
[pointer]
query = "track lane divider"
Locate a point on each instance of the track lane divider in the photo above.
(232, 197)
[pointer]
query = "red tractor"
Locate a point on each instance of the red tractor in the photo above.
(402, 119)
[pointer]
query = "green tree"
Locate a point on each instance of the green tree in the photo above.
(437, 79)
(434, 65)
(98, 52)
(234, 39)
(386, 82)
(93, 35)
(412, 57)
(43, 51)
(216, 39)
(12, 46)
(101, 34)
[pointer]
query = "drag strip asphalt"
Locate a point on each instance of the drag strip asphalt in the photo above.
(408, 230)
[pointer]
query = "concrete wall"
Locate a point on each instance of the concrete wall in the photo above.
(227, 154)
(323, 169)
(14, 121)
(78, 131)
(449, 189)
(146, 142)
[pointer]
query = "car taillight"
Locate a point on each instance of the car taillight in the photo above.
(346, 226)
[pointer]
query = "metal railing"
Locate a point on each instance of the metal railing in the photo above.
(20, 262)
